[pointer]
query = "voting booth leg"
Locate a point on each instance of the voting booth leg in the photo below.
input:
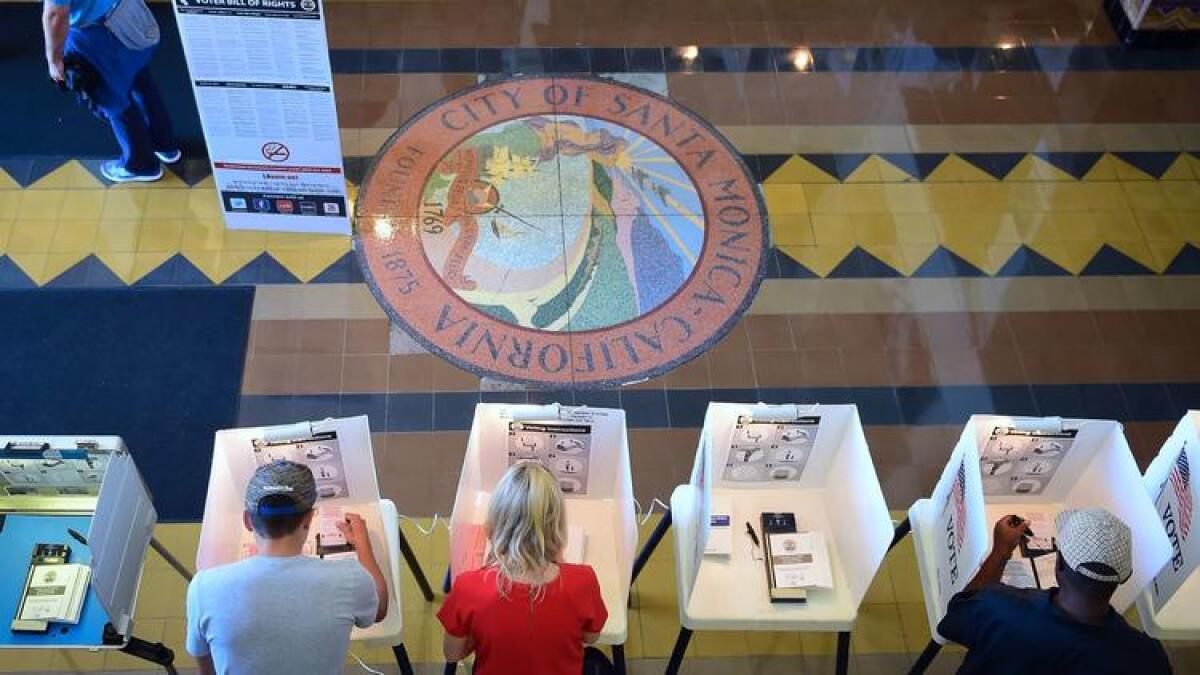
(843, 653)
(902, 531)
(618, 657)
(681, 645)
(415, 566)
(170, 558)
(402, 661)
(660, 531)
(922, 663)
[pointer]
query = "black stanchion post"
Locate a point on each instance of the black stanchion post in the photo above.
(171, 559)
(154, 652)
(927, 655)
(901, 532)
(681, 645)
(656, 536)
(415, 566)
(402, 661)
(843, 653)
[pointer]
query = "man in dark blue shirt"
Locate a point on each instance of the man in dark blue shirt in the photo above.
(1063, 631)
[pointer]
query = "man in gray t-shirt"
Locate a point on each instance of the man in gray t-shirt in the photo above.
(280, 612)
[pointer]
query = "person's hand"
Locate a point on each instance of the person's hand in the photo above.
(1008, 532)
(354, 529)
(58, 72)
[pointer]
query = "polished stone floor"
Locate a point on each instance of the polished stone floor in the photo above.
(973, 207)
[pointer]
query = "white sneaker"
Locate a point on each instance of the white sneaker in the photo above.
(113, 171)
(169, 157)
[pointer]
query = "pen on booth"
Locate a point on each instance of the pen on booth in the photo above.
(1017, 520)
(752, 535)
(77, 537)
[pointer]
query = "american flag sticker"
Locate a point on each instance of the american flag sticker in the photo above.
(959, 498)
(1181, 482)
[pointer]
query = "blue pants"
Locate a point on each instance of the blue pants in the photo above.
(126, 96)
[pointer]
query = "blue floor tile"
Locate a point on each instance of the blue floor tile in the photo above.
(877, 405)
(1108, 261)
(645, 408)
(410, 412)
(686, 407)
(374, 406)
(598, 398)
(313, 407)
(1150, 402)
(924, 405)
(454, 410)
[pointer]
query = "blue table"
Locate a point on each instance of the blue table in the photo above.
(18, 537)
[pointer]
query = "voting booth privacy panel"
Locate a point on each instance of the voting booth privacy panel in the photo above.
(339, 453)
(1170, 605)
(810, 460)
(1033, 468)
(588, 452)
(92, 486)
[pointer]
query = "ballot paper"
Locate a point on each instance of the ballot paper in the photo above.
(55, 593)
(720, 527)
(1041, 524)
(1044, 565)
(1018, 573)
(800, 560)
(325, 540)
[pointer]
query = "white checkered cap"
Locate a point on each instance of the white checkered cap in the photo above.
(1095, 536)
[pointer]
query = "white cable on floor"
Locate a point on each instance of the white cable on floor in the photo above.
(656, 501)
(365, 667)
(432, 526)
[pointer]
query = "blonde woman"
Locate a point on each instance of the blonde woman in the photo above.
(525, 611)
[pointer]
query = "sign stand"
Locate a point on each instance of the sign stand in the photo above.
(1026, 466)
(812, 461)
(340, 455)
(264, 89)
(588, 451)
(1169, 606)
(52, 486)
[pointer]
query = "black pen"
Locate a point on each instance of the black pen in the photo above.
(77, 537)
(753, 536)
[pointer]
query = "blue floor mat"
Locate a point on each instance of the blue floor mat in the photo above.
(43, 121)
(161, 368)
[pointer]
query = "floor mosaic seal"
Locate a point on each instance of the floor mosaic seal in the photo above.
(573, 232)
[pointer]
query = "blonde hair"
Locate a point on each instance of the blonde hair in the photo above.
(527, 526)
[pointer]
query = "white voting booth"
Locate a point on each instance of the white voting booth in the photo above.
(1170, 606)
(809, 460)
(339, 453)
(587, 450)
(1033, 468)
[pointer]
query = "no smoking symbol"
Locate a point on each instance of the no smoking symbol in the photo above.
(276, 152)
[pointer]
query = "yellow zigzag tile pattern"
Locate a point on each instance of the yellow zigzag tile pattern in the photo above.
(816, 220)
(900, 220)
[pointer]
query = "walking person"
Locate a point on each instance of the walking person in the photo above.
(102, 50)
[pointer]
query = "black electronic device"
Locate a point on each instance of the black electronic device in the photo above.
(779, 523)
(43, 554)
